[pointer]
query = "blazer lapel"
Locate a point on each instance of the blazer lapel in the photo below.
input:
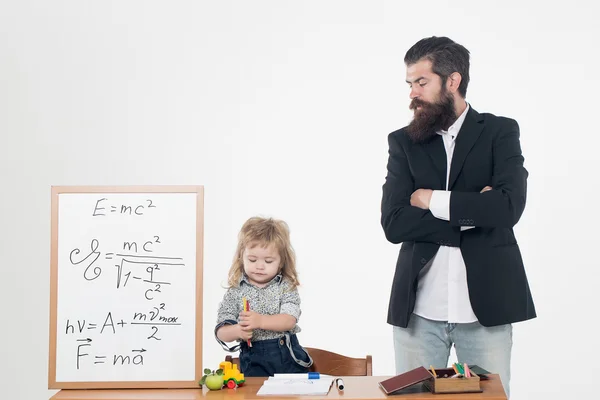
(467, 136)
(437, 153)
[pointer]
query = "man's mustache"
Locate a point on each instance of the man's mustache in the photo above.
(416, 102)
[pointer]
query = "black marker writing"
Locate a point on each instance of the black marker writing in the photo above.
(97, 209)
(153, 336)
(79, 324)
(130, 246)
(111, 324)
(97, 270)
(79, 354)
(137, 360)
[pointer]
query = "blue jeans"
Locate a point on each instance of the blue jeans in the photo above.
(274, 356)
(425, 342)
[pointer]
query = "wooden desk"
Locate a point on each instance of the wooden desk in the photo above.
(356, 388)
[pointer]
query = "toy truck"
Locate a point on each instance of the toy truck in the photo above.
(232, 377)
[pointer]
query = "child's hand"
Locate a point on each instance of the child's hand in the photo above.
(250, 320)
(243, 333)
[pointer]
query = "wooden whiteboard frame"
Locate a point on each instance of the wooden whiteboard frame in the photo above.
(56, 191)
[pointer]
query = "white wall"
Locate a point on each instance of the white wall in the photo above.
(283, 108)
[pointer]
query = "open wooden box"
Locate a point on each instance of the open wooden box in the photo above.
(444, 384)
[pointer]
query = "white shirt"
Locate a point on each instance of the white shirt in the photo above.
(442, 292)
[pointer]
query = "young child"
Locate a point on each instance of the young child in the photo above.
(263, 272)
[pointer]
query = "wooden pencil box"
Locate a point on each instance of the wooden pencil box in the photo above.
(443, 383)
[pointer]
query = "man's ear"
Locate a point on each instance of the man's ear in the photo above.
(453, 82)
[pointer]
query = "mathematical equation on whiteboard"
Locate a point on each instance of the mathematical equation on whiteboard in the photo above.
(152, 318)
(132, 264)
(145, 268)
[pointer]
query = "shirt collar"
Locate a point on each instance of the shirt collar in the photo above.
(455, 127)
(276, 279)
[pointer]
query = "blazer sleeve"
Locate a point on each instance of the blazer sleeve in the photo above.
(402, 222)
(502, 206)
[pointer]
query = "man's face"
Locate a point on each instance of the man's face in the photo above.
(432, 104)
(423, 83)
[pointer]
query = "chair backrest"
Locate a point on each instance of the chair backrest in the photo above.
(330, 363)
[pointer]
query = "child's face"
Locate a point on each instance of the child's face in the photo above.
(261, 264)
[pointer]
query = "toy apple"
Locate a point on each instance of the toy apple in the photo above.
(214, 382)
(212, 379)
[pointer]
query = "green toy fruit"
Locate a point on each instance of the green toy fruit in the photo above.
(212, 379)
(214, 382)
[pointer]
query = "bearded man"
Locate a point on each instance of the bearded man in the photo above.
(455, 188)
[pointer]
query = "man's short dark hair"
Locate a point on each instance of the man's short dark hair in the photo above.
(446, 57)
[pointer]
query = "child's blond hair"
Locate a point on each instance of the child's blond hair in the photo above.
(263, 232)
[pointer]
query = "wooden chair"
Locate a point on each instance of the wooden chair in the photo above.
(329, 363)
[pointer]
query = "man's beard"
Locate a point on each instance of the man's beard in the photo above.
(431, 118)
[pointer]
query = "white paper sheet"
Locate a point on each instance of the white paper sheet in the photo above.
(274, 386)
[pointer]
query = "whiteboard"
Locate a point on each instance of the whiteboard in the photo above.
(126, 287)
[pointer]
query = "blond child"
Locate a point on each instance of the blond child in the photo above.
(263, 272)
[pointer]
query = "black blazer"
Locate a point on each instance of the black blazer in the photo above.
(487, 153)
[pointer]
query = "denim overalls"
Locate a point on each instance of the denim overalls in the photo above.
(270, 356)
(274, 356)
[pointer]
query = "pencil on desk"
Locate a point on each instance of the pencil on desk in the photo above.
(433, 370)
(455, 368)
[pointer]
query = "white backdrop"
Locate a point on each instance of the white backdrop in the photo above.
(283, 108)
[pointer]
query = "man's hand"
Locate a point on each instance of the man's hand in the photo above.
(421, 198)
(485, 189)
(250, 320)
